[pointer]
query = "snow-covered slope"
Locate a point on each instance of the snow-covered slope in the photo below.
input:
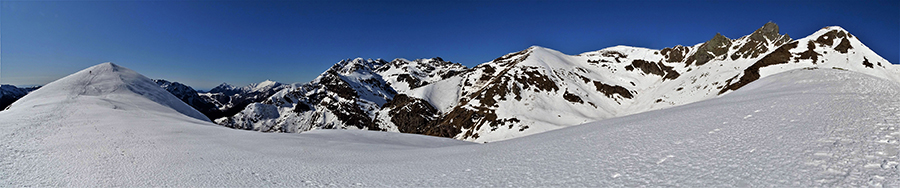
(802, 128)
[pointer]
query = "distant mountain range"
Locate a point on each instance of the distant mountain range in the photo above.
(11, 93)
(527, 92)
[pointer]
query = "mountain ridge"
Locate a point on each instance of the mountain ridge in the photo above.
(540, 89)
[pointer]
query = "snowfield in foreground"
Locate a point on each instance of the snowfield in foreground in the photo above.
(800, 128)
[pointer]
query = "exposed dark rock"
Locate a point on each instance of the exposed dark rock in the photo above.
(411, 115)
(507, 60)
(657, 68)
(867, 63)
(333, 82)
(459, 118)
(609, 90)
(451, 73)
(536, 80)
(828, 38)
(709, 50)
(781, 55)
(843, 46)
(614, 54)
(572, 98)
(769, 30)
(810, 53)
(758, 41)
(301, 107)
(675, 54)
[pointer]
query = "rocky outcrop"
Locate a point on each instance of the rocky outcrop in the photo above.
(758, 42)
(411, 115)
(781, 55)
(709, 50)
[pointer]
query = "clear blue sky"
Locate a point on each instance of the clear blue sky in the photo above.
(204, 43)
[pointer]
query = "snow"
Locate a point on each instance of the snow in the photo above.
(800, 128)
(263, 86)
(109, 85)
(443, 95)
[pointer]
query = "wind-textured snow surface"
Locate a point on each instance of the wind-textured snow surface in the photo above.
(800, 128)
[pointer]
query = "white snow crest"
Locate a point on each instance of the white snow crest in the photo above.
(113, 86)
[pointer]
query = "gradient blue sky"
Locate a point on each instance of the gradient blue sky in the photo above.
(205, 43)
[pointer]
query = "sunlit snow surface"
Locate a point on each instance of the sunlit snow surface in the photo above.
(800, 128)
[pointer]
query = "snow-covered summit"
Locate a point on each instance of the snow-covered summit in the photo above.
(110, 86)
(264, 85)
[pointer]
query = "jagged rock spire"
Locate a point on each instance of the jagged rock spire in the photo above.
(769, 30)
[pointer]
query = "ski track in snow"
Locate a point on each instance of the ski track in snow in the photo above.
(803, 128)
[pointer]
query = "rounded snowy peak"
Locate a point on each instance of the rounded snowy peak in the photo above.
(828, 29)
(111, 86)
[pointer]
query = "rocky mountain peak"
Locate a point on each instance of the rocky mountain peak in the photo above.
(769, 29)
(222, 88)
(759, 42)
(349, 66)
(711, 49)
